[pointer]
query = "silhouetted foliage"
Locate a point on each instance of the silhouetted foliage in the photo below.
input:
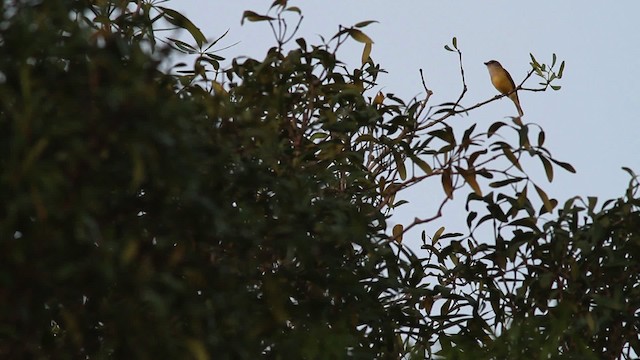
(240, 211)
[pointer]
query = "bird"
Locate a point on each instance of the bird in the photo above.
(503, 82)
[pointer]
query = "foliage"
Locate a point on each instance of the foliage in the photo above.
(146, 217)
(241, 211)
(564, 287)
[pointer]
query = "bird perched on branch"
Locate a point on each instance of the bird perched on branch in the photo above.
(503, 82)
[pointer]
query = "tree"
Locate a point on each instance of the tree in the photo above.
(145, 216)
(241, 212)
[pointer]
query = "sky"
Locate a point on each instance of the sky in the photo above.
(591, 122)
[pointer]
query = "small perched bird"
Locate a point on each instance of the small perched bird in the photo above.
(503, 82)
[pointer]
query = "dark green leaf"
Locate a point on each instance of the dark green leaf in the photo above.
(548, 169)
(498, 184)
(180, 20)
(548, 205)
(254, 17)
(422, 165)
(564, 165)
(541, 138)
(512, 158)
(402, 170)
(365, 23)
(447, 183)
(494, 127)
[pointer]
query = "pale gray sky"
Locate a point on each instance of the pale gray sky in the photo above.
(592, 122)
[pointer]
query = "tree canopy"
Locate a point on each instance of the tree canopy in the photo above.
(240, 211)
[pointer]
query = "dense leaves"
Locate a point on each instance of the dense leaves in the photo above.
(141, 221)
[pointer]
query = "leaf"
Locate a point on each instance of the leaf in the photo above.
(592, 201)
(294, 9)
(254, 17)
(561, 70)
(541, 138)
(427, 303)
(218, 89)
(535, 65)
(447, 183)
(302, 43)
(497, 184)
(473, 157)
(509, 154)
(365, 23)
(402, 169)
(359, 36)
(469, 176)
(450, 235)
(565, 166)
(445, 135)
(401, 202)
(180, 20)
(494, 127)
(183, 46)
(397, 233)
(422, 165)
(548, 169)
(436, 236)
(379, 99)
(281, 3)
(214, 56)
(214, 63)
(496, 212)
(523, 134)
(366, 53)
(528, 222)
(466, 137)
(472, 215)
(501, 260)
(548, 205)
(197, 349)
(628, 171)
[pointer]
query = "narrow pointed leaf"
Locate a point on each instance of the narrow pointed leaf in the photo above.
(447, 183)
(366, 53)
(359, 36)
(365, 23)
(253, 16)
(494, 127)
(422, 165)
(397, 233)
(402, 170)
(436, 236)
(548, 168)
(565, 166)
(509, 154)
(548, 205)
(180, 20)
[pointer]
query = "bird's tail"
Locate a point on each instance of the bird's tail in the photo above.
(516, 101)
